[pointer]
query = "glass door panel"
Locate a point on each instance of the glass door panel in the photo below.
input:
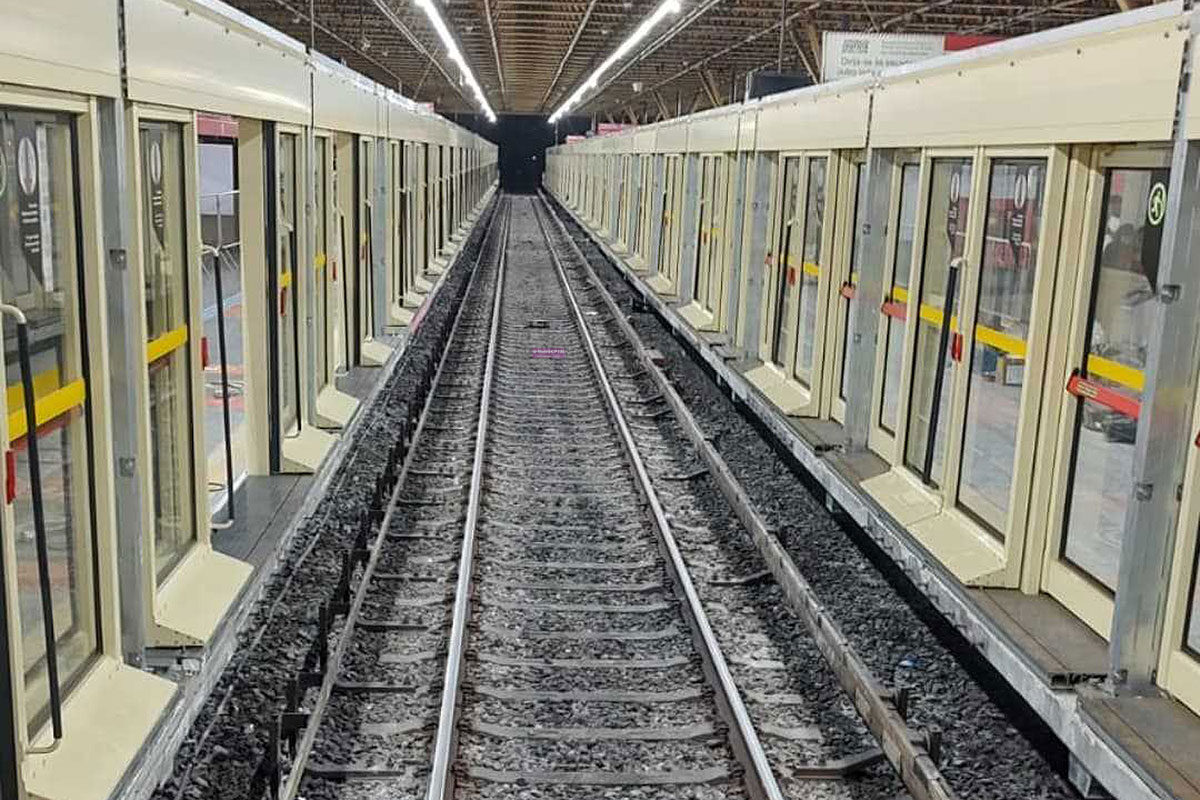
(941, 283)
(410, 231)
(165, 276)
(622, 186)
(365, 279)
(451, 193)
(786, 263)
(395, 217)
(895, 307)
(288, 380)
(713, 288)
(1110, 380)
(40, 274)
(429, 208)
(668, 246)
(810, 268)
(848, 306)
(400, 222)
(996, 385)
(440, 198)
(703, 228)
(219, 200)
(321, 259)
(341, 156)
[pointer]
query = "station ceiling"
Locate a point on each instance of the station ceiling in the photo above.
(529, 55)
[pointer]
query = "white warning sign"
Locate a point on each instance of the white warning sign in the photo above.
(845, 55)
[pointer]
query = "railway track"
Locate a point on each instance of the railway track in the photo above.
(528, 624)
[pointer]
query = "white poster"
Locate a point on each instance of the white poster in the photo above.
(844, 55)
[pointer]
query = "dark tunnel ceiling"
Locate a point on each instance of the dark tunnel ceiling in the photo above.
(529, 55)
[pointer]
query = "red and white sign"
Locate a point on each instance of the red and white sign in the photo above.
(217, 126)
(605, 128)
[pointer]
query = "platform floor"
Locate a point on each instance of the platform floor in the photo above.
(264, 507)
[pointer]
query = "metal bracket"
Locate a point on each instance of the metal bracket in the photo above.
(1168, 293)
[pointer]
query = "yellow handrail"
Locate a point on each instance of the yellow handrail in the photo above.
(166, 344)
(47, 408)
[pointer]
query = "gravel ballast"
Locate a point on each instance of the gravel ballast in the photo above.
(899, 636)
(223, 752)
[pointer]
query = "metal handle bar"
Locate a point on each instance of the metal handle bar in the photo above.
(39, 527)
(216, 252)
(939, 375)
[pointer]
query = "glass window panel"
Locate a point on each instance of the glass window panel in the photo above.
(394, 213)
(910, 178)
(860, 188)
(667, 263)
(219, 229)
(622, 188)
(288, 253)
(810, 270)
(39, 273)
(715, 283)
(321, 260)
(945, 244)
(165, 273)
(439, 193)
(1118, 339)
(1005, 299)
(786, 264)
(366, 273)
(703, 231)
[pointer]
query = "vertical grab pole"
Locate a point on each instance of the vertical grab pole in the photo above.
(940, 375)
(39, 524)
(218, 286)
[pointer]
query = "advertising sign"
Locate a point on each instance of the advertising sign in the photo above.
(33, 199)
(845, 55)
(605, 128)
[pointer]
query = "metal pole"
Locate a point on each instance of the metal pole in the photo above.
(782, 32)
(939, 376)
(39, 525)
(229, 513)
(1164, 424)
(126, 363)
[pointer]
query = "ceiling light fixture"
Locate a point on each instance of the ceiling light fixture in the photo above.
(456, 55)
(660, 13)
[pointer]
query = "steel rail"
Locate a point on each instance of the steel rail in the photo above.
(742, 731)
(333, 666)
(440, 784)
(902, 746)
